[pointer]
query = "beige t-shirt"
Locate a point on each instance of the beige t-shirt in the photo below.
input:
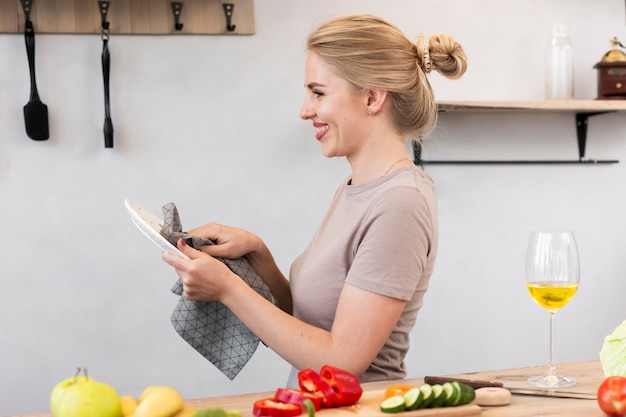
(380, 236)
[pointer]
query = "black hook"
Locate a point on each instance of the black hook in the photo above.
(104, 9)
(228, 11)
(177, 9)
(27, 5)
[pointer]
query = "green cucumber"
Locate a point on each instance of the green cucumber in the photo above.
(448, 394)
(467, 393)
(440, 396)
(413, 399)
(427, 392)
(393, 404)
(453, 394)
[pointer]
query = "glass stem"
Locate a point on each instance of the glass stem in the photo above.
(551, 367)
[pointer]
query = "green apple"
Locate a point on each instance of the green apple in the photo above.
(81, 396)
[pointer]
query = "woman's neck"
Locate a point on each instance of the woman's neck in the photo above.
(375, 163)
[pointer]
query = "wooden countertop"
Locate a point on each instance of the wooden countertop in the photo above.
(589, 375)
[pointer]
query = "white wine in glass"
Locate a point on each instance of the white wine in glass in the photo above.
(552, 277)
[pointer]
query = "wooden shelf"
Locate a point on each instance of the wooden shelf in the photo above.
(569, 106)
(129, 17)
(582, 109)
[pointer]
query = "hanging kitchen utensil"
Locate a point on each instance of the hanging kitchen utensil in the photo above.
(35, 112)
(106, 69)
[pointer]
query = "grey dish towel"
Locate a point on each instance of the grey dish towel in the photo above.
(210, 327)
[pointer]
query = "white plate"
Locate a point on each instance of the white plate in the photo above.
(150, 225)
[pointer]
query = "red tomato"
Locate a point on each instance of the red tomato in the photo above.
(270, 407)
(612, 396)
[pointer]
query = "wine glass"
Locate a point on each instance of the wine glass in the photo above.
(552, 276)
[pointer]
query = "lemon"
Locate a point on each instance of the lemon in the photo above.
(129, 404)
(158, 401)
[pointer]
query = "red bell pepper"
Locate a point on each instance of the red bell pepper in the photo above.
(310, 381)
(339, 388)
(270, 407)
(346, 385)
(294, 396)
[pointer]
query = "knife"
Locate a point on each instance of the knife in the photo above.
(476, 383)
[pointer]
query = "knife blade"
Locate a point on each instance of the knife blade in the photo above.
(477, 383)
(551, 393)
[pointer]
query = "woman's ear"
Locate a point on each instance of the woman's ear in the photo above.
(375, 100)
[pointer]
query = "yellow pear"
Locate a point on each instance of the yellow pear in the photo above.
(158, 401)
(80, 396)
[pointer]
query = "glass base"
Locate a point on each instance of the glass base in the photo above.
(552, 381)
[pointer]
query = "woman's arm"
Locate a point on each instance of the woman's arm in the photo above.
(263, 262)
(363, 321)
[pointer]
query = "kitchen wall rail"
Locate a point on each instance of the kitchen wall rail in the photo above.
(132, 17)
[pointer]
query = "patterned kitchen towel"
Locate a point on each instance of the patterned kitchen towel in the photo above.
(210, 327)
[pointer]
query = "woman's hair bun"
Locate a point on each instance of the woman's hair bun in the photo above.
(443, 54)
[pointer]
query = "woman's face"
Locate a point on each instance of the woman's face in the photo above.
(337, 111)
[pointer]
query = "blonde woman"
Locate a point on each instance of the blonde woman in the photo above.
(353, 295)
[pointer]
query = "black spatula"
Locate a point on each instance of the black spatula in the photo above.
(35, 112)
(106, 68)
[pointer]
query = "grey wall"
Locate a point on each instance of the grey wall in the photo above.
(211, 123)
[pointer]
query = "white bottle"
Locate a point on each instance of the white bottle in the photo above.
(560, 64)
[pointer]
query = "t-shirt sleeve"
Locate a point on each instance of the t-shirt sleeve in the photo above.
(394, 245)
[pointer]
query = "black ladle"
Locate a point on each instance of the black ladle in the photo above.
(35, 112)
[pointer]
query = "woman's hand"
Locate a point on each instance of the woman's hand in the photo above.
(204, 278)
(231, 242)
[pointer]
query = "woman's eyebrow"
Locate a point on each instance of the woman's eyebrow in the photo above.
(313, 85)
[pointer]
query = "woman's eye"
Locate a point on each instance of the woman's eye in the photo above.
(317, 93)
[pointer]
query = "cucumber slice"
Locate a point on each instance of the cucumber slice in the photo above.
(440, 396)
(427, 393)
(453, 394)
(467, 393)
(393, 404)
(413, 399)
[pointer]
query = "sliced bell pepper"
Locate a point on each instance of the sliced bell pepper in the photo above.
(270, 407)
(295, 396)
(311, 381)
(346, 385)
(397, 389)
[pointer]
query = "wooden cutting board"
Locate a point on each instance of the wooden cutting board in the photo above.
(369, 406)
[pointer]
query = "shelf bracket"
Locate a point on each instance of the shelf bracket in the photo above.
(581, 131)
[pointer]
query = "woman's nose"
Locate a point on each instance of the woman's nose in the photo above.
(306, 112)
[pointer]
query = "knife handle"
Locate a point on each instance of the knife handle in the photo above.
(474, 383)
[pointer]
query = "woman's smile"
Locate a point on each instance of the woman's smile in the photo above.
(320, 130)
